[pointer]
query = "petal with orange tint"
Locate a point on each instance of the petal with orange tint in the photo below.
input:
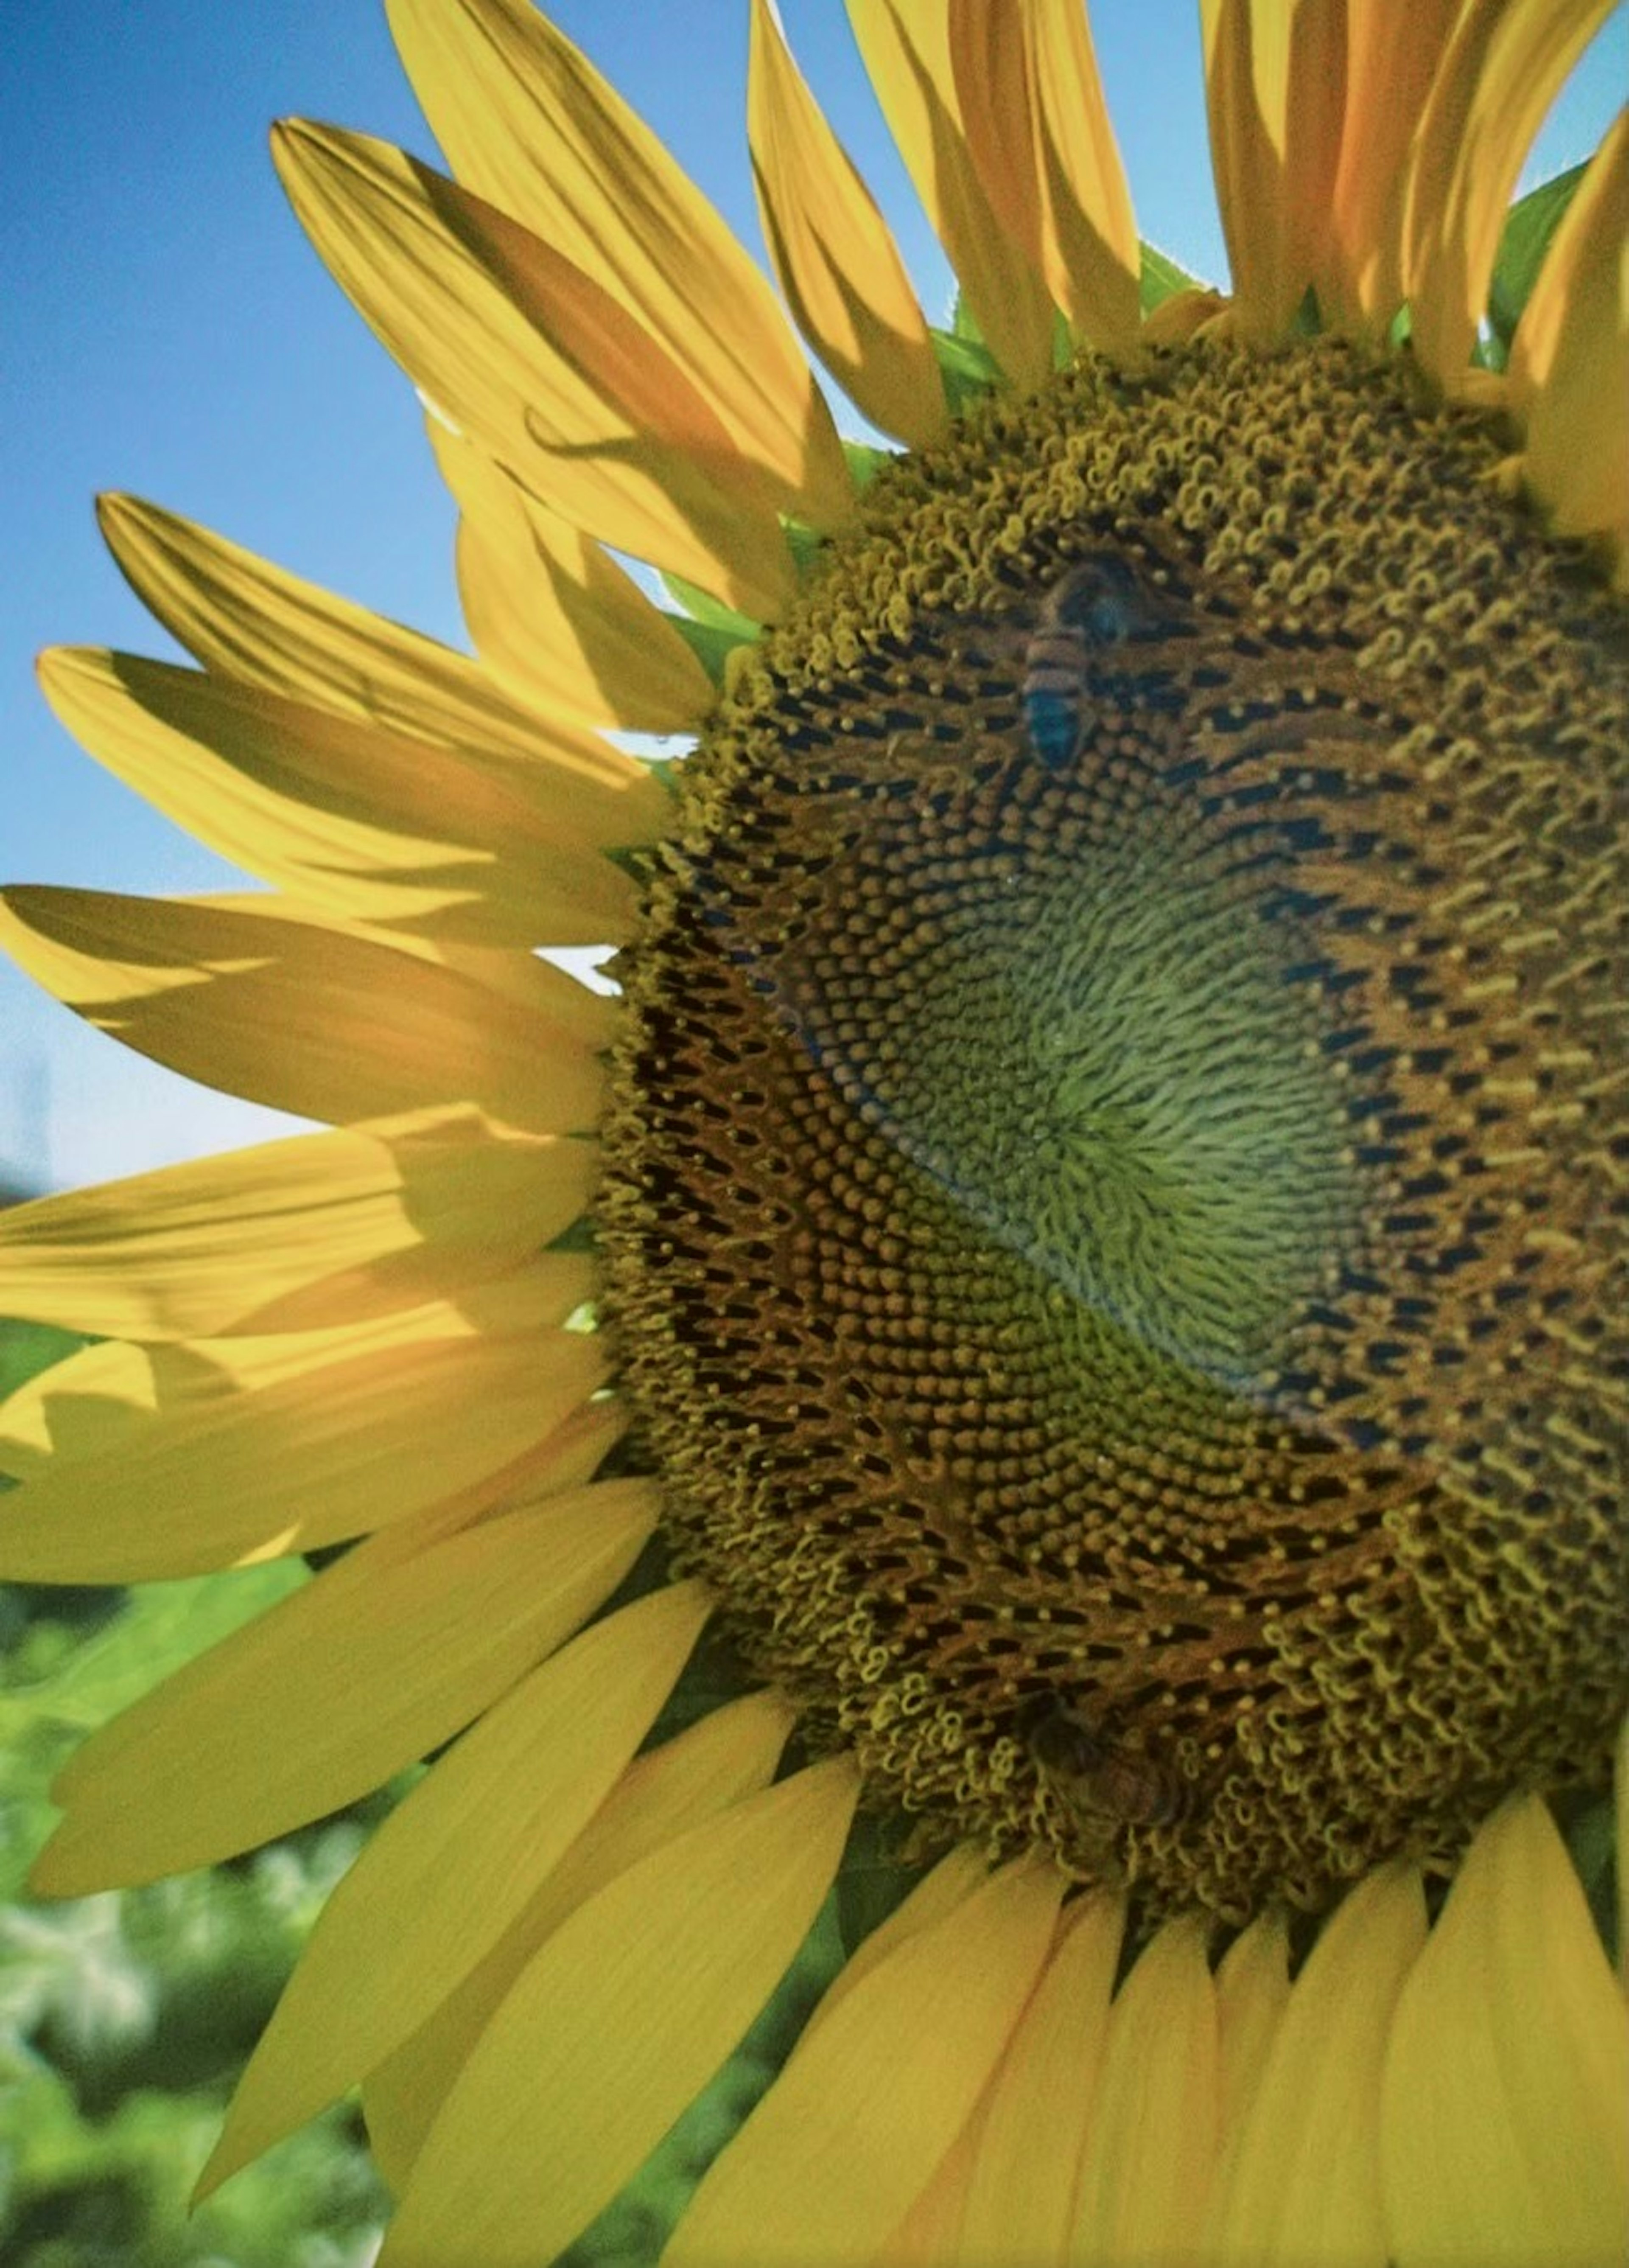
(616, 2025)
(1150, 2147)
(1019, 2201)
(435, 274)
(554, 617)
(316, 1229)
(1275, 79)
(369, 825)
(1504, 2133)
(1038, 129)
(530, 127)
(1392, 58)
(836, 259)
(875, 2093)
(907, 57)
(247, 620)
(725, 1757)
(1507, 61)
(139, 1464)
(1301, 2182)
(455, 1862)
(264, 1733)
(1569, 363)
(309, 1019)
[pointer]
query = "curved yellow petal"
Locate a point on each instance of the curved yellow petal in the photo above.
(354, 1677)
(528, 124)
(1019, 2200)
(1275, 77)
(247, 620)
(945, 1887)
(1505, 2138)
(315, 1229)
(615, 2027)
(929, 2234)
(1301, 2186)
(311, 1019)
(1505, 67)
(139, 1464)
(833, 251)
(1569, 363)
(726, 1755)
(356, 820)
(1038, 129)
(587, 410)
(1252, 1994)
(553, 617)
(907, 56)
(871, 2098)
(1393, 56)
(458, 1859)
(1150, 2148)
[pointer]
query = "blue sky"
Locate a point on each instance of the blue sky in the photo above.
(169, 332)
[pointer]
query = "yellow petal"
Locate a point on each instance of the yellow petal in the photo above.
(1506, 65)
(1302, 2187)
(1038, 130)
(353, 1677)
(830, 2158)
(930, 2234)
(366, 823)
(175, 1459)
(726, 1755)
(247, 620)
(555, 617)
(934, 1898)
(1275, 73)
(907, 56)
(1569, 365)
(528, 124)
(1150, 2149)
(449, 1870)
(615, 2027)
(1393, 56)
(836, 259)
(291, 1234)
(307, 1019)
(1019, 2199)
(457, 293)
(1505, 2119)
(1252, 1994)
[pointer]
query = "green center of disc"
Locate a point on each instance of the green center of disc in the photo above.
(1114, 1209)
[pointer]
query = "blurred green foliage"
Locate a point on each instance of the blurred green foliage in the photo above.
(125, 2018)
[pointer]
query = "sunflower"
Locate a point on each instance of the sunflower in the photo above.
(1064, 1336)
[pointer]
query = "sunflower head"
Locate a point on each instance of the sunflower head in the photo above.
(1090, 1247)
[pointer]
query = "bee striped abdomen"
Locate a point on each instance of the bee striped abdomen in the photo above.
(1051, 696)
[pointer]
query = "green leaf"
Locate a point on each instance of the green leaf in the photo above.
(701, 607)
(1530, 225)
(967, 369)
(865, 462)
(1162, 278)
(711, 645)
(26, 1349)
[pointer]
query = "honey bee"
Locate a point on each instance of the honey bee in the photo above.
(1096, 604)
(1097, 1774)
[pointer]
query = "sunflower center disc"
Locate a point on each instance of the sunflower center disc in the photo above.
(1115, 1186)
